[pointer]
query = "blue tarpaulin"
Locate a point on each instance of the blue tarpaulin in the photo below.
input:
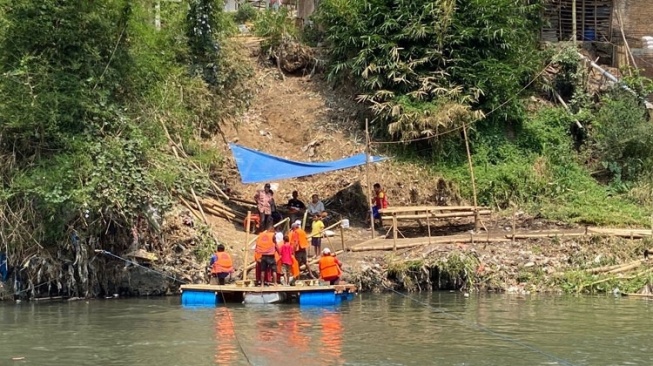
(256, 166)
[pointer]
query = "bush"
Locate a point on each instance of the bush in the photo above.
(425, 66)
(275, 26)
(623, 136)
(245, 13)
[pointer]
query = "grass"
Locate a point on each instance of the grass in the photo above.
(538, 171)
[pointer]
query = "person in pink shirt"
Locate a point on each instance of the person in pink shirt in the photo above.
(286, 253)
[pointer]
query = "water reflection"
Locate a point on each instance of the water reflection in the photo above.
(370, 330)
(226, 344)
(331, 340)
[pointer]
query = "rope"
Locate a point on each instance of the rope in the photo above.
(233, 326)
(446, 132)
(487, 330)
(138, 265)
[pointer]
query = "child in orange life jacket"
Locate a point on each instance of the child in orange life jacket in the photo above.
(221, 266)
(286, 252)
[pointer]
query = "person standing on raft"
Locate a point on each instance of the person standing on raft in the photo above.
(299, 242)
(221, 266)
(266, 247)
(330, 267)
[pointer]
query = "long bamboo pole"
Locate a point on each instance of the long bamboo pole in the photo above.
(367, 174)
(247, 222)
(471, 172)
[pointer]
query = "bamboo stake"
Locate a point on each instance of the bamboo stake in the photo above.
(471, 172)
(342, 235)
(394, 231)
(513, 225)
(189, 207)
(623, 36)
(247, 222)
(367, 174)
(428, 226)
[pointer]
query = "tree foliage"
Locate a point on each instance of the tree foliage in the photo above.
(89, 92)
(427, 65)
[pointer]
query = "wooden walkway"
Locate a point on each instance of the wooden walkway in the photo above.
(267, 289)
(383, 243)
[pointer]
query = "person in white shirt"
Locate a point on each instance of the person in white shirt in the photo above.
(315, 207)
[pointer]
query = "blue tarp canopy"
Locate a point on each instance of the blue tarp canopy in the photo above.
(256, 166)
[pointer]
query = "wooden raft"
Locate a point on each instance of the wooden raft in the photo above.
(268, 289)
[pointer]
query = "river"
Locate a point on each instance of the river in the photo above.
(431, 329)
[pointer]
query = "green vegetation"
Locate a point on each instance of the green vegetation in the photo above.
(246, 13)
(89, 93)
(426, 67)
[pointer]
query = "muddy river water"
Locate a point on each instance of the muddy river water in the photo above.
(430, 329)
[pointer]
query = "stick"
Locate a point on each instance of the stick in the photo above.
(543, 235)
(513, 225)
(471, 172)
(342, 235)
(367, 174)
(368, 248)
(394, 231)
(247, 223)
(240, 200)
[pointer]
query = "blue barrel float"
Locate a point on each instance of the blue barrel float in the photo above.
(589, 34)
(323, 298)
(199, 298)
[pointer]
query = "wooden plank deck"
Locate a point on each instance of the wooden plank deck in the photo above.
(266, 289)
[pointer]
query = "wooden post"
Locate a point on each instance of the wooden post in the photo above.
(394, 231)
(471, 172)
(367, 174)
(342, 235)
(247, 223)
(573, 21)
(513, 226)
(428, 225)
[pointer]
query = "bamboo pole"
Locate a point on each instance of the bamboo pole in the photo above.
(543, 235)
(247, 222)
(369, 248)
(342, 235)
(428, 226)
(367, 174)
(199, 207)
(623, 36)
(573, 22)
(513, 225)
(394, 231)
(471, 172)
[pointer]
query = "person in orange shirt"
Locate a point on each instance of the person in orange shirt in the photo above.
(267, 248)
(330, 267)
(221, 266)
(299, 241)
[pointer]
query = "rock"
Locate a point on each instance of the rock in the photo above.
(529, 264)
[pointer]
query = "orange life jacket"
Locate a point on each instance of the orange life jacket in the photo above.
(329, 268)
(265, 243)
(298, 239)
(222, 264)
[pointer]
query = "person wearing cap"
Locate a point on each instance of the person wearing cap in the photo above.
(263, 200)
(221, 266)
(299, 241)
(330, 267)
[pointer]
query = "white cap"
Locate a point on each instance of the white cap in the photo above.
(326, 251)
(297, 223)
